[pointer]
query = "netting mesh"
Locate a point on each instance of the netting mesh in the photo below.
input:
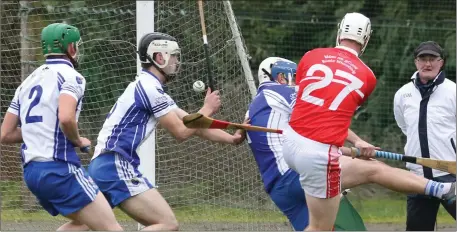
(209, 176)
(107, 65)
(212, 186)
(209, 186)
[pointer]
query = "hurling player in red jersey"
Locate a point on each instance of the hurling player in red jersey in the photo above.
(332, 84)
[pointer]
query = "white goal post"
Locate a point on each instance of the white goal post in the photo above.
(146, 152)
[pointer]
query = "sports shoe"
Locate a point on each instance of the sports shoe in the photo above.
(449, 197)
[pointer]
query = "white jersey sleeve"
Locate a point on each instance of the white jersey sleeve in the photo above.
(14, 106)
(154, 99)
(73, 86)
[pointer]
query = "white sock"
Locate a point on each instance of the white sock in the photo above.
(437, 189)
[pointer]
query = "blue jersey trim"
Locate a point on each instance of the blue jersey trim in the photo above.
(59, 61)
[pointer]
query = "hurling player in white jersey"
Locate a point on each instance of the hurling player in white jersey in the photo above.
(43, 116)
(272, 108)
(137, 112)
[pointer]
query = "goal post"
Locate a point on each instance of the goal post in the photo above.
(146, 151)
(240, 48)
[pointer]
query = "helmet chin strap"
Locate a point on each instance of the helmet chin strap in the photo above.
(167, 77)
(72, 60)
(268, 74)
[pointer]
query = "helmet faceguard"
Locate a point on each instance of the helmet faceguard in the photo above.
(356, 27)
(286, 69)
(77, 57)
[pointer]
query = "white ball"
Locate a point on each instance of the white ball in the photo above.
(199, 86)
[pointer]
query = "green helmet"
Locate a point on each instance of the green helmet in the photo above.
(56, 37)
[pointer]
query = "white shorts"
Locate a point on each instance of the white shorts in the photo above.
(317, 163)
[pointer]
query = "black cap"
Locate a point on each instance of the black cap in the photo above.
(428, 48)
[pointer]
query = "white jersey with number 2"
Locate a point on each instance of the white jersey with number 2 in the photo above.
(36, 103)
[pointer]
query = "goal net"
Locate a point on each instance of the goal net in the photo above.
(209, 186)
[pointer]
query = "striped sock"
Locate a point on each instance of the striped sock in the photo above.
(437, 189)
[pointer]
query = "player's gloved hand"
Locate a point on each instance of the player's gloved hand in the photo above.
(240, 134)
(367, 150)
(212, 101)
(84, 144)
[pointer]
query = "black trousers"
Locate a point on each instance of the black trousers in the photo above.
(422, 210)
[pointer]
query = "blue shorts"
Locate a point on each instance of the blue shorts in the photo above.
(60, 187)
(289, 197)
(117, 179)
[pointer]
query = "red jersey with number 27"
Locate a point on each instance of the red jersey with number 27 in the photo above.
(332, 84)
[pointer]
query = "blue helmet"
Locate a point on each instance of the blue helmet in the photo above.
(287, 68)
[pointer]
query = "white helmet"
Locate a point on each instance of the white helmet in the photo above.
(156, 42)
(264, 72)
(356, 27)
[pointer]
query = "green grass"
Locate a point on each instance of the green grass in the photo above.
(378, 209)
(372, 211)
(184, 214)
(391, 211)
(202, 213)
(207, 213)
